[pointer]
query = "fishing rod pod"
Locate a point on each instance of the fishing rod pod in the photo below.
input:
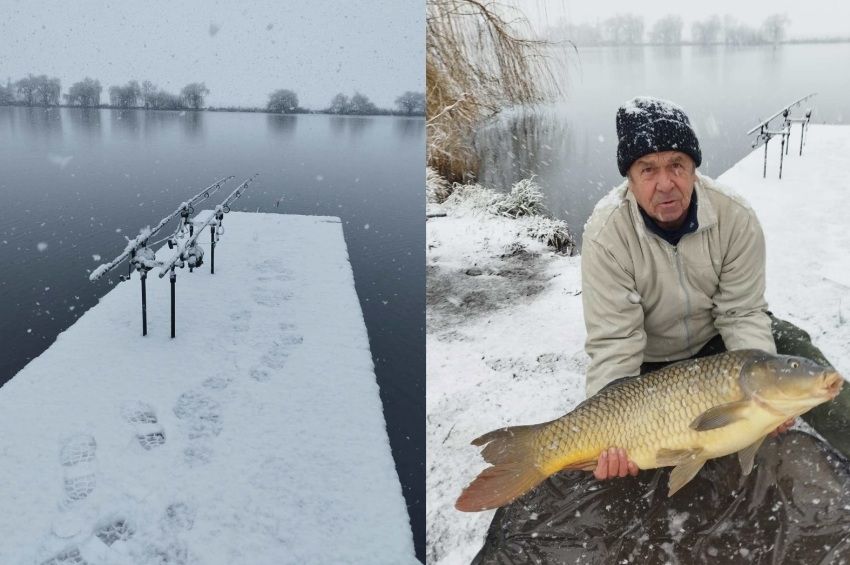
(143, 259)
(189, 252)
(145, 234)
(764, 133)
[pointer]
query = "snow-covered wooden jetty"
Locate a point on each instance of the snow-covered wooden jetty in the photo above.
(256, 436)
(517, 339)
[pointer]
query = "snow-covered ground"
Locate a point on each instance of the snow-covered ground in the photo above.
(256, 436)
(505, 329)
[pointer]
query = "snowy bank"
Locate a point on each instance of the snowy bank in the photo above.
(256, 436)
(506, 333)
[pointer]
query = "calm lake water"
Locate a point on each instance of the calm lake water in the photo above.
(75, 181)
(571, 146)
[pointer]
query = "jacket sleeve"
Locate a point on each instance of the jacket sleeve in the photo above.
(613, 317)
(740, 308)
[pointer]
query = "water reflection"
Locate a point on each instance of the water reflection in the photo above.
(193, 124)
(772, 56)
(283, 124)
(43, 122)
(337, 124)
(409, 127)
(7, 119)
(629, 55)
(522, 143)
(358, 124)
(354, 125)
(670, 58)
(158, 121)
(126, 122)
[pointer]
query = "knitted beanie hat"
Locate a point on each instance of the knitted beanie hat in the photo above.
(648, 125)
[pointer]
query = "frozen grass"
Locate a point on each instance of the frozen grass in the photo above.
(524, 204)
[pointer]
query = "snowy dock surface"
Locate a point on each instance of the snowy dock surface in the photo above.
(256, 436)
(506, 331)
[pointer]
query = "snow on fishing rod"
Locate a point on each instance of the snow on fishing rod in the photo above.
(183, 252)
(188, 251)
(145, 234)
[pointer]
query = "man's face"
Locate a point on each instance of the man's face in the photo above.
(663, 184)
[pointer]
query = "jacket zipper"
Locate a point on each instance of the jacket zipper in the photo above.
(680, 270)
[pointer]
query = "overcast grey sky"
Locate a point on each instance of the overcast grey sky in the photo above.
(808, 18)
(241, 49)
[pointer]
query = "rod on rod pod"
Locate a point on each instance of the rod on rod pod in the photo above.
(144, 236)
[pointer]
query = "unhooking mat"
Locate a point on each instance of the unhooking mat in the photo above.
(794, 508)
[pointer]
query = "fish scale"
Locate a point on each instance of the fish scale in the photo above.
(665, 401)
(678, 416)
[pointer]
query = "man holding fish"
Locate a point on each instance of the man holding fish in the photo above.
(673, 276)
(673, 265)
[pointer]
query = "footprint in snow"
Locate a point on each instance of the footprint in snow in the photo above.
(270, 298)
(200, 418)
(282, 347)
(241, 320)
(260, 375)
(199, 413)
(77, 457)
(273, 272)
(145, 424)
(216, 383)
(107, 540)
(114, 529)
(272, 267)
(179, 516)
(68, 556)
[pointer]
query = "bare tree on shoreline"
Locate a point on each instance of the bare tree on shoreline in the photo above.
(477, 61)
(85, 93)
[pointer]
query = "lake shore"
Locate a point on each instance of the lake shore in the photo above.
(505, 351)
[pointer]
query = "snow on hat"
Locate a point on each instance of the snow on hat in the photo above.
(648, 125)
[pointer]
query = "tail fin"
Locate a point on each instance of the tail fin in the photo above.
(512, 474)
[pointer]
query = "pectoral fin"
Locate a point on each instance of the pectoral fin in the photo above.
(683, 473)
(747, 455)
(721, 416)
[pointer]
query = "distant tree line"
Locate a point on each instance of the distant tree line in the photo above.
(45, 91)
(629, 29)
(42, 90)
(410, 104)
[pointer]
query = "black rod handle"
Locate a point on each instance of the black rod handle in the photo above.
(173, 282)
(212, 250)
(144, 303)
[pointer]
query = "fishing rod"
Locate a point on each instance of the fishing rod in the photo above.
(188, 251)
(763, 123)
(218, 229)
(764, 134)
(145, 234)
(142, 258)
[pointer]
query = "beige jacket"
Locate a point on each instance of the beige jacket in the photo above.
(646, 300)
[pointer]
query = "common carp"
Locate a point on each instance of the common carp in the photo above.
(679, 416)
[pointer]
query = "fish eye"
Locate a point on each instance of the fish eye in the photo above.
(794, 364)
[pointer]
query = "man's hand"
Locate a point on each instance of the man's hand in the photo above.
(783, 427)
(614, 463)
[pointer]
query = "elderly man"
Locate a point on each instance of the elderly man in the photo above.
(673, 265)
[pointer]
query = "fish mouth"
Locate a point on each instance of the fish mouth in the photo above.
(832, 384)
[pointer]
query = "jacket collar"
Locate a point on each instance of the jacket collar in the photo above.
(706, 215)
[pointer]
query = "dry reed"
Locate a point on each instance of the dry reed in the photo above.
(479, 58)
